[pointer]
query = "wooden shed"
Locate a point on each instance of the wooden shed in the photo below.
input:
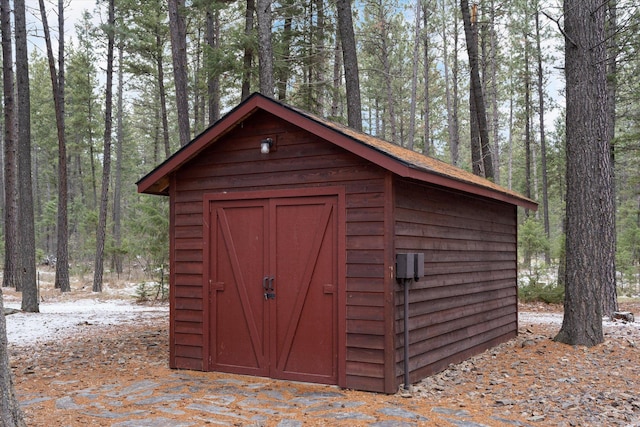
(282, 262)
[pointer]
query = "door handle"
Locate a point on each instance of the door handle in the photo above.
(267, 285)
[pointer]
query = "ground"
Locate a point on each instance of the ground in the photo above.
(101, 359)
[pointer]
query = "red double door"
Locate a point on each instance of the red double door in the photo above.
(273, 287)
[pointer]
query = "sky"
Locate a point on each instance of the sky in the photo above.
(73, 14)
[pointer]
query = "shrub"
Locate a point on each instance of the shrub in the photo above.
(535, 290)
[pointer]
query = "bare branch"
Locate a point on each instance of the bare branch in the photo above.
(557, 21)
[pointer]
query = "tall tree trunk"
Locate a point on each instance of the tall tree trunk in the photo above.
(321, 59)
(213, 79)
(350, 60)
(414, 78)
(117, 185)
(337, 68)
(179, 53)
(510, 140)
(26, 225)
(62, 248)
(494, 92)
(453, 145)
(388, 80)
(476, 87)
(283, 71)
(156, 136)
(57, 84)
(477, 165)
(265, 53)
(92, 157)
(10, 276)
(455, 142)
(590, 211)
(543, 142)
(163, 96)
(427, 80)
(106, 162)
(2, 187)
(248, 49)
(10, 413)
(609, 287)
(527, 124)
(197, 98)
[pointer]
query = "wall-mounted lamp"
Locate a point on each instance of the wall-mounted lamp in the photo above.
(265, 145)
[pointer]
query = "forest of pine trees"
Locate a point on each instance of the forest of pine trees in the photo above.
(412, 74)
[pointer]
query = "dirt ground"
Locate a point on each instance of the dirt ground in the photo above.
(530, 378)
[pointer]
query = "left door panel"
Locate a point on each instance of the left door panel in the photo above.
(238, 266)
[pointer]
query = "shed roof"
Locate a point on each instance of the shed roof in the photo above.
(399, 160)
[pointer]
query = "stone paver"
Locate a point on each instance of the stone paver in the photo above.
(186, 399)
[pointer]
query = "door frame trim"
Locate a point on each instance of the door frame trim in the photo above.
(337, 191)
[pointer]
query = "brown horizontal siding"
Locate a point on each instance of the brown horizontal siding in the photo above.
(185, 315)
(188, 327)
(455, 323)
(438, 347)
(438, 268)
(266, 180)
(189, 255)
(365, 284)
(189, 339)
(367, 327)
(365, 356)
(189, 352)
(234, 164)
(194, 303)
(434, 361)
(187, 244)
(187, 232)
(467, 299)
(364, 312)
(365, 381)
(495, 223)
(357, 341)
(459, 302)
(362, 369)
(444, 286)
(424, 321)
(188, 362)
(189, 219)
(191, 267)
(186, 291)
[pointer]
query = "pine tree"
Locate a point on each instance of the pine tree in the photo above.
(590, 211)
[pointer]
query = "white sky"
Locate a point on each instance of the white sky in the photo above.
(73, 14)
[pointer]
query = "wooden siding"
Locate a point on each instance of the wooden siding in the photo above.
(300, 159)
(467, 301)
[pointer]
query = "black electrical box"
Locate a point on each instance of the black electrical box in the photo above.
(405, 268)
(409, 266)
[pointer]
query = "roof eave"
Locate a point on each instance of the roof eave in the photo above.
(437, 179)
(153, 182)
(157, 181)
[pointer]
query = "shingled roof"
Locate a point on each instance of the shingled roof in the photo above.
(397, 159)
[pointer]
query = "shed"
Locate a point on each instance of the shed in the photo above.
(282, 262)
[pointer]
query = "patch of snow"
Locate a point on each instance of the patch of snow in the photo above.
(63, 319)
(527, 317)
(613, 328)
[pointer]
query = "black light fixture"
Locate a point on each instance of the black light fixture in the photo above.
(265, 145)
